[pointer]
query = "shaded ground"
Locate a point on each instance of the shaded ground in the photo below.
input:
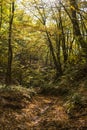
(19, 111)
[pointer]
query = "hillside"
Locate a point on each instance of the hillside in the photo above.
(56, 106)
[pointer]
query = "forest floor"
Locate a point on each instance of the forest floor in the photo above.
(41, 112)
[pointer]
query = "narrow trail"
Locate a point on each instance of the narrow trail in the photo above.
(42, 113)
(48, 113)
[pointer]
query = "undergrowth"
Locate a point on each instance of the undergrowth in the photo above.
(72, 87)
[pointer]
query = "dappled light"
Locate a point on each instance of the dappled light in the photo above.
(43, 65)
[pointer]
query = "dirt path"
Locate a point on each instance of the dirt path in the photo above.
(48, 113)
(42, 113)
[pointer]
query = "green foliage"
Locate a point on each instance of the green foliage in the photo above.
(30, 45)
(54, 89)
(74, 103)
(28, 93)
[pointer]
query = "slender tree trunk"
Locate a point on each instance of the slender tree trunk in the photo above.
(62, 37)
(9, 65)
(56, 63)
(0, 14)
(58, 41)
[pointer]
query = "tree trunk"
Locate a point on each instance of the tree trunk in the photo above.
(56, 62)
(9, 65)
(58, 40)
(62, 37)
(1, 15)
(76, 28)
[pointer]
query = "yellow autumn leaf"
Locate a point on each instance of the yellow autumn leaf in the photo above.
(72, 7)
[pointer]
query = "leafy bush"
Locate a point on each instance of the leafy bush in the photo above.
(52, 89)
(74, 103)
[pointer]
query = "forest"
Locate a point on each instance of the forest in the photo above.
(43, 64)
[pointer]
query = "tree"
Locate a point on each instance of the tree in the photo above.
(10, 53)
(75, 22)
(1, 14)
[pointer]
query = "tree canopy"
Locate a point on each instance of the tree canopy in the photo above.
(44, 33)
